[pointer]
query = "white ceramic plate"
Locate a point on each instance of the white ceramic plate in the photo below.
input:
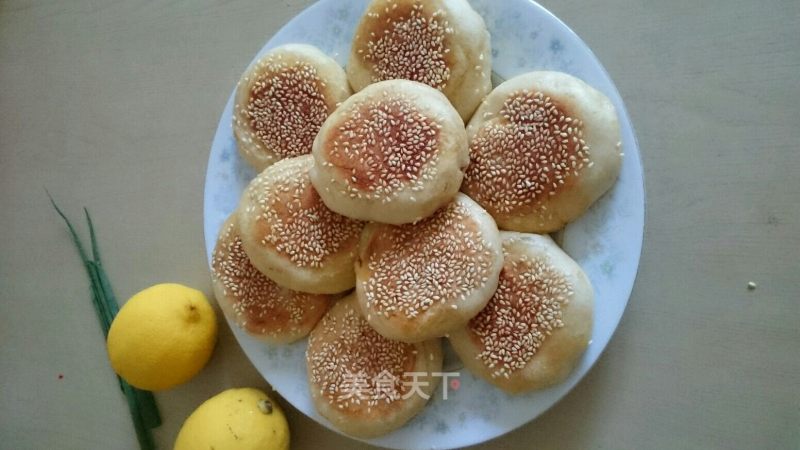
(606, 242)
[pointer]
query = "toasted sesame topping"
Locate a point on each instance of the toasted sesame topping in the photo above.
(525, 155)
(524, 310)
(286, 106)
(409, 43)
(383, 146)
(295, 221)
(344, 350)
(438, 261)
(260, 305)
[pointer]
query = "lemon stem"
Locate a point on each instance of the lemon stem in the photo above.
(265, 406)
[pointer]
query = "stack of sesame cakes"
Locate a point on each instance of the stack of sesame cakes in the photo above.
(380, 223)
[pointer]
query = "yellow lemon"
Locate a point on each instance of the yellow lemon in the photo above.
(236, 419)
(162, 337)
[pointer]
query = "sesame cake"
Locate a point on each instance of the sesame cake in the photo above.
(282, 100)
(419, 281)
(259, 306)
(291, 236)
(543, 147)
(365, 384)
(393, 153)
(442, 43)
(537, 324)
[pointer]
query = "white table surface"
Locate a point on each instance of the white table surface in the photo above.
(113, 104)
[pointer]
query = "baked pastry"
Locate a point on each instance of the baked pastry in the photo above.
(364, 384)
(282, 100)
(393, 153)
(263, 309)
(442, 43)
(419, 281)
(544, 146)
(291, 236)
(538, 323)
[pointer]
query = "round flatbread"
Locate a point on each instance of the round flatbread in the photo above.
(258, 305)
(364, 383)
(393, 153)
(282, 100)
(442, 43)
(538, 323)
(419, 281)
(544, 146)
(291, 236)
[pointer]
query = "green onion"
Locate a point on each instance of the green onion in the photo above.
(141, 403)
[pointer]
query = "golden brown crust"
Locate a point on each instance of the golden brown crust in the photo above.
(291, 235)
(537, 324)
(442, 43)
(407, 40)
(358, 147)
(282, 101)
(419, 281)
(359, 379)
(392, 153)
(254, 302)
(543, 147)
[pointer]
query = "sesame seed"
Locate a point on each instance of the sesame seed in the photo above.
(525, 309)
(343, 349)
(412, 46)
(383, 146)
(296, 223)
(526, 155)
(261, 306)
(286, 106)
(438, 261)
